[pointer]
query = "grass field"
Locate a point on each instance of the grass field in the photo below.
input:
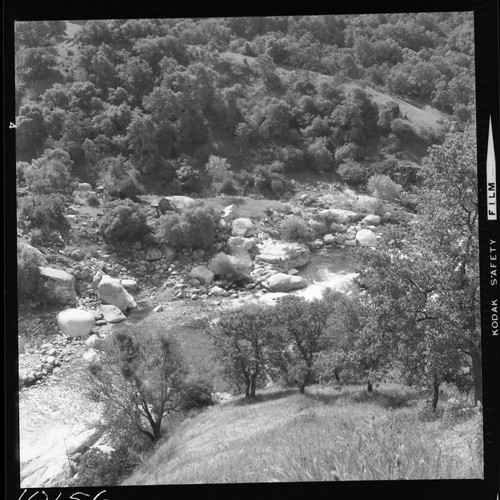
(325, 435)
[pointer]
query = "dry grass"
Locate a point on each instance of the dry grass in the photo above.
(322, 436)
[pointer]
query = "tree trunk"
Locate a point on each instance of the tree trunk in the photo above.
(304, 381)
(435, 394)
(337, 374)
(157, 430)
(253, 383)
(370, 387)
(477, 373)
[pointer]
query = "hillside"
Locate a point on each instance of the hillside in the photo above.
(325, 435)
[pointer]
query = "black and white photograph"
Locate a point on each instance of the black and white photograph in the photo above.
(248, 250)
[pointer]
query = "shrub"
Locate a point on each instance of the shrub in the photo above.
(294, 228)
(348, 152)
(353, 173)
(218, 168)
(383, 187)
(197, 394)
(194, 228)
(93, 200)
(123, 222)
(319, 156)
(98, 468)
(29, 279)
(270, 181)
(293, 158)
(44, 212)
(120, 179)
(188, 178)
(21, 168)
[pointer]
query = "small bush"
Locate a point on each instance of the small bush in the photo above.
(93, 200)
(383, 187)
(188, 178)
(194, 228)
(348, 152)
(270, 181)
(123, 223)
(294, 229)
(353, 173)
(101, 469)
(197, 394)
(120, 179)
(29, 279)
(44, 212)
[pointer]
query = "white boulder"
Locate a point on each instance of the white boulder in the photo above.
(366, 238)
(285, 283)
(75, 322)
(130, 285)
(111, 291)
(202, 274)
(243, 227)
(286, 255)
(371, 220)
(112, 314)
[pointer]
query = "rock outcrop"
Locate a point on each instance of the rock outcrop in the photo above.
(366, 238)
(243, 227)
(112, 314)
(285, 282)
(286, 255)
(60, 285)
(111, 291)
(202, 274)
(76, 322)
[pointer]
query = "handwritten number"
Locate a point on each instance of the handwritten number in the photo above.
(13, 125)
(78, 493)
(99, 494)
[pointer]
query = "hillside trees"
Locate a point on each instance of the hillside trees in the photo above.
(243, 342)
(302, 332)
(424, 286)
(140, 378)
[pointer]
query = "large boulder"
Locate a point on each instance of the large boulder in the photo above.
(181, 202)
(371, 220)
(60, 285)
(239, 244)
(287, 255)
(112, 314)
(111, 291)
(84, 186)
(165, 205)
(153, 254)
(229, 212)
(317, 226)
(366, 238)
(243, 227)
(338, 215)
(202, 274)
(32, 252)
(226, 265)
(130, 285)
(75, 322)
(285, 282)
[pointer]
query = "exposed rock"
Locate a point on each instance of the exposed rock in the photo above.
(31, 252)
(284, 254)
(239, 244)
(329, 239)
(91, 341)
(112, 292)
(338, 215)
(84, 186)
(168, 252)
(181, 202)
(366, 238)
(217, 291)
(202, 274)
(350, 243)
(285, 283)
(152, 239)
(130, 285)
(61, 285)
(158, 308)
(194, 283)
(165, 205)
(77, 254)
(371, 220)
(112, 314)
(337, 228)
(243, 227)
(225, 265)
(318, 227)
(86, 273)
(229, 212)
(97, 279)
(75, 322)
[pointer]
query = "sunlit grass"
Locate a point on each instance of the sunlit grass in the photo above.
(325, 435)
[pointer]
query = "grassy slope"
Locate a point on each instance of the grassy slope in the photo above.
(321, 436)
